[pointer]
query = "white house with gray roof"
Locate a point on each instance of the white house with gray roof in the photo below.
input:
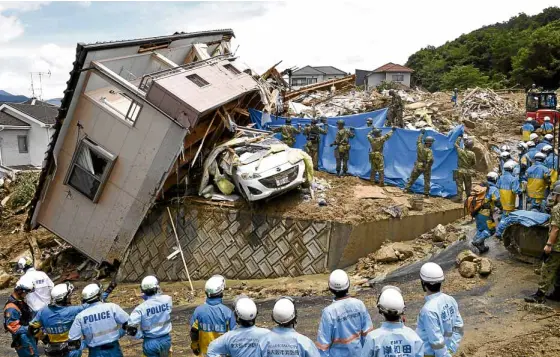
(312, 75)
(25, 133)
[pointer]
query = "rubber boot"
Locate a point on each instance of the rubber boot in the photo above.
(555, 295)
(536, 298)
(381, 179)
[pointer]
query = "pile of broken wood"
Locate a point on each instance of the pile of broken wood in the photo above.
(485, 103)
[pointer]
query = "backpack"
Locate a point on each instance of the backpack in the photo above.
(475, 201)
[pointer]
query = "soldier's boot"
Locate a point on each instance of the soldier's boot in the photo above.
(338, 173)
(482, 248)
(381, 179)
(555, 295)
(536, 298)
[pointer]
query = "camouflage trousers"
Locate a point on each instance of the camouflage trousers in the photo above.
(464, 184)
(289, 141)
(549, 272)
(377, 165)
(312, 149)
(418, 170)
(341, 160)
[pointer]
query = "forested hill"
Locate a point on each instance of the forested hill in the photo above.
(521, 51)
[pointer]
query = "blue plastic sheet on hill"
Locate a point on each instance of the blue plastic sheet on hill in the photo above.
(399, 151)
(525, 218)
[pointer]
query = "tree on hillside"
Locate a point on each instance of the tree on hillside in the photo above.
(463, 77)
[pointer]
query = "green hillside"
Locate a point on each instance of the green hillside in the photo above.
(519, 52)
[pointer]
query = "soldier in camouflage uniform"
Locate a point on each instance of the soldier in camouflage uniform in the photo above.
(466, 161)
(376, 155)
(288, 132)
(342, 150)
(551, 264)
(396, 110)
(312, 134)
(423, 165)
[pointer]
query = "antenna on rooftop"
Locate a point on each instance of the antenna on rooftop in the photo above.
(37, 89)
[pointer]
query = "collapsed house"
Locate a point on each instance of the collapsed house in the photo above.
(135, 114)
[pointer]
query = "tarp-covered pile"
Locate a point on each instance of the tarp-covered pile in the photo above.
(399, 152)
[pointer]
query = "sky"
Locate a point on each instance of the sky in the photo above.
(42, 36)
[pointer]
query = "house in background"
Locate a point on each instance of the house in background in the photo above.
(313, 75)
(25, 133)
(361, 77)
(389, 72)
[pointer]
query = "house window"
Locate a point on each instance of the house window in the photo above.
(198, 80)
(232, 69)
(311, 80)
(90, 169)
(22, 144)
(299, 81)
(398, 77)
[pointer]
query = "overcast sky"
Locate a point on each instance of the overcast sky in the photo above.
(38, 37)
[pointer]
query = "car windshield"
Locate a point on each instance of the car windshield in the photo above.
(253, 152)
(547, 101)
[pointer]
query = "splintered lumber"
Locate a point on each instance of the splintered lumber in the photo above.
(337, 83)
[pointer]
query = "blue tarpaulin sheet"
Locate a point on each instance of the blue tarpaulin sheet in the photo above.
(525, 218)
(399, 151)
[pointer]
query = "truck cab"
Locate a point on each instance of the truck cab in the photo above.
(541, 104)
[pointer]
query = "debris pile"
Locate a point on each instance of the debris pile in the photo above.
(469, 264)
(485, 103)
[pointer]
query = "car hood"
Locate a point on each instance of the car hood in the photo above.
(271, 161)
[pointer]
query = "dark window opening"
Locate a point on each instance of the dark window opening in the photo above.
(232, 69)
(198, 80)
(22, 144)
(398, 77)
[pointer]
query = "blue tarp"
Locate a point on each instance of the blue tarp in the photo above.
(525, 218)
(399, 152)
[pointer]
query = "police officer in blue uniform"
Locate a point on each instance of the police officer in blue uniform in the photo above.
(17, 315)
(151, 320)
(100, 324)
(283, 340)
(344, 323)
(440, 325)
(244, 340)
(393, 338)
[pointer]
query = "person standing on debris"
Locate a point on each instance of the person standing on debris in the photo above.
(288, 132)
(284, 340)
(42, 283)
(527, 129)
(531, 152)
(393, 338)
(466, 162)
(151, 320)
(551, 257)
(17, 316)
(313, 133)
(342, 150)
(551, 162)
(423, 165)
(509, 187)
(538, 179)
(245, 339)
(522, 149)
(547, 127)
(485, 225)
(396, 109)
(344, 323)
(376, 158)
(211, 320)
(455, 96)
(548, 139)
(99, 324)
(505, 156)
(539, 144)
(440, 324)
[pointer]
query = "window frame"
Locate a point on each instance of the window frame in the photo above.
(26, 138)
(397, 79)
(232, 69)
(195, 78)
(130, 111)
(111, 158)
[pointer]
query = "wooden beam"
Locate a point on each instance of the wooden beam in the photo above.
(241, 111)
(319, 86)
(148, 49)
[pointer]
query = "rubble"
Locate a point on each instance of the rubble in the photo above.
(403, 250)
(465, 256)
(386, 254)
(469, 264)
(485, 266)
(439, 234)
(467, 269)
(485, 103)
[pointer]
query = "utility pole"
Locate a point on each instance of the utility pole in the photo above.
(38, 92)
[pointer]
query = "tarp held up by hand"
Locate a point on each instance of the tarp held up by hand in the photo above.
(399, 151)
(525, 218)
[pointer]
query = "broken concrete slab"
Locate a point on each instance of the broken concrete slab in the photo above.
(467, 269)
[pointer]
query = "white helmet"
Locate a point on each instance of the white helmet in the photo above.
(547, 118)
(25, 285)
(546, 149)
(391, 301)
(215, 286)
(522, 146)
(540, 156)
(529, 119)
(338, 280)
(531, 144)
(431, 273)
(506, 148)
(245, 309)
(534, 136)
(61, 292)
(91, 292)
(492, 176)
(549, 137)
(284, 310)
(505, 155)
(25, 263)
(149, 285)
(510, 165)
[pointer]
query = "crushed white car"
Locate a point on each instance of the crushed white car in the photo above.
(259, 165)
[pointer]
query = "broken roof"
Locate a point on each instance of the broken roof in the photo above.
(9, 120)
(46, 114)
(81, 54)
(318, 70)
(392, 67)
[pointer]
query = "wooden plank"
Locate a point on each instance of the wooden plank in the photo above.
(149, 49)
(319, 86)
